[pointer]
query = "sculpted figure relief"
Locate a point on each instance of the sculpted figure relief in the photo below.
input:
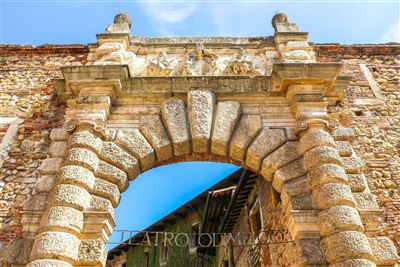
(241, 64)
(112, 53)
(159, 66)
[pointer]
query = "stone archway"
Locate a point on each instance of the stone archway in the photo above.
(275, 124)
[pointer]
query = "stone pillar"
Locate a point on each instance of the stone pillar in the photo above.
(58, 240)
(342, 233)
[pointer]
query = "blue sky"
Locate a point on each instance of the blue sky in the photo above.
(65, 22)
(159, 191)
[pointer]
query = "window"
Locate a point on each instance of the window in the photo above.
(163, 255)
(145, 260)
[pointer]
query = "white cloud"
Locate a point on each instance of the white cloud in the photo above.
(169, 13)
(392, 34)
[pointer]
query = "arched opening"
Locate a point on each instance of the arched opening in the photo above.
(204, 214)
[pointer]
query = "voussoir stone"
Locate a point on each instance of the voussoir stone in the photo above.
(339, 218)
(227, 115)
(315, 137)
(247, 128)
(135, 143)
(58, 149)
(285, 154)
(320, 155)
(71, 195)
(267, 141)
(113, 174)
(83, 157)
(56, 244)
(174, 116)
(152, 127)
(288, 172)
(85, 139)
(352, 164)
(296, 187)
(63, 217)
(107, 190)
(332, 194)
(49, 263)
(201, 105)
(346, 245)
(74, 174)
(384, 251)
(44, 183)
(326, 173)
(120, 158)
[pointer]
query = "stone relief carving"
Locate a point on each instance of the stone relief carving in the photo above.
(160, 65)
(241, 64)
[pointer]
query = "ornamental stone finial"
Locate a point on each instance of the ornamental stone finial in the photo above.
(122, 24)
(281, 23)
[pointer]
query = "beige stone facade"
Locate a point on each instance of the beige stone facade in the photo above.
(275, 105)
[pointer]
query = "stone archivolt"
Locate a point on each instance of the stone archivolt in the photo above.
(304, 154)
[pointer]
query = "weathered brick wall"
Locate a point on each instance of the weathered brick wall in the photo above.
(376, 121)
(26, 92)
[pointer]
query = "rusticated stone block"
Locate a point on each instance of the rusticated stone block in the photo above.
(112, 174)
(135, 143)
(346, 245)
(63, 217)
(354, 263)
(248, 128)
(302, 203)
(93, 252)
(50, 166)
(357, 182)
(227, 115)
(352, 164)
(201, 105)
(120, 158)
(49, 263)
(332, 194)
(152, 127)
(320, 155)
(36, 202)
(288, 152)
(73, 174)
(326, 173)
(288, 172)
(343, 134)
(344, 148)
(365, 200)
(71, 195)
(315, 137)
(83, 157)
(267, 141)
(311, 252)
(58, 134)
(296, 187)
(175, 120)
(44, 183)
(86, 140)
(384, 251)
(56, 244)
(339, 218)
(101, 204)
(107, 190)
(58, 149)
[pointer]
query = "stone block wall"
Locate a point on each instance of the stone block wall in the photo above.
(26, 92)
(370, 107)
